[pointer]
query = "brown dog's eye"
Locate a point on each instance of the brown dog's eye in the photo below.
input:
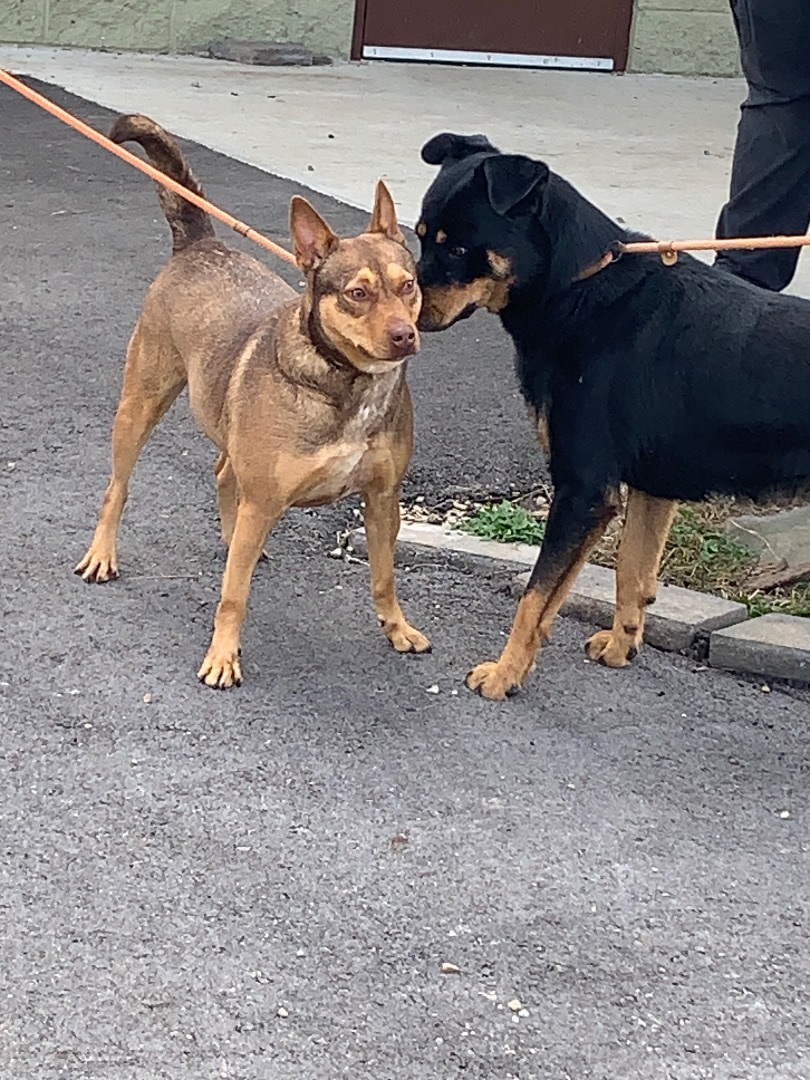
(358, 294)
(458, 251)
(408, 286)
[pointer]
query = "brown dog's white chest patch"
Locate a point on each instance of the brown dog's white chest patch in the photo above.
(337, 468)
(373, 407)
(332, 473)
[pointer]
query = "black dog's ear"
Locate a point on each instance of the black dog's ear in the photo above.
(450, 147)
(511, 178)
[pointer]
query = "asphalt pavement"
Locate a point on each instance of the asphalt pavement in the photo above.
(263, 884)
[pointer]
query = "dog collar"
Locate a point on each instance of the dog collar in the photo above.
(589, 271)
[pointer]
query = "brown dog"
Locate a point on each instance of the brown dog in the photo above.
(305, 396)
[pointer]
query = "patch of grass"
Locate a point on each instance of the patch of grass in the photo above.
(505, 522)
(791, 601)
(698, 555)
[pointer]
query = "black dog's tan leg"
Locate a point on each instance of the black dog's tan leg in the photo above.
(645, 532)
(381, 517)
(153, 377)
(227, 497)
(254, 520)
(575, 525)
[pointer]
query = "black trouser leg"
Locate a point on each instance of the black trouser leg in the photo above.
(770, 177)
(770, 190)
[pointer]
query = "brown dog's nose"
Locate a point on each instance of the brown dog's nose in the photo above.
(403, 338)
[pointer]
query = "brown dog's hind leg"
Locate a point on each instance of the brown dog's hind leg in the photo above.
(645, 532)
(227, 497)
(254, 520)
(381, 517)
(153, 377)
(575, 525)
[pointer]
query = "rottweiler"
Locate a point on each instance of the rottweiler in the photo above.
(680, 382)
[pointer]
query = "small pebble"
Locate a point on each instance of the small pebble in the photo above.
(432, 689)
(450, 969)
(524, 1013)
(282, 1012)
(765, 688)
(147, 699)
(784, 814)
(516, 1005)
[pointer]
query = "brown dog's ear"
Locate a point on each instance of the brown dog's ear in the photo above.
(384, 216)
(312, 238)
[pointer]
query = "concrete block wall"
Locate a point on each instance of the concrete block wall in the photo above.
(177, 25)
(684, 37)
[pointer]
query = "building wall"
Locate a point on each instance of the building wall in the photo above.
(177, 25)
(684, 37)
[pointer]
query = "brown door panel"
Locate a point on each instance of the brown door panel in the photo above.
(576, 28)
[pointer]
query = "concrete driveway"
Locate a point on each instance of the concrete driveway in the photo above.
(264, 884)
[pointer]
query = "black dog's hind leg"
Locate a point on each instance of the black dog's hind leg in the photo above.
(645, 532)
(576, 522)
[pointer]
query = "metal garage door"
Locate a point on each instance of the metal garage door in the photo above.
(524, 33)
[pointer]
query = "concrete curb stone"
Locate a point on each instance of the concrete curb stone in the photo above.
(776, 646)
(420, 540)
(263, 53)
(680, 616)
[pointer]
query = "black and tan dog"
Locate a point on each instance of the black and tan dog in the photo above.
(679, 382)
(305, 396)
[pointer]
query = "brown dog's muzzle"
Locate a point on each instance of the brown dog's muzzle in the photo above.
(403, 339)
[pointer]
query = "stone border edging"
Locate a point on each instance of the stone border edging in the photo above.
(682, 620)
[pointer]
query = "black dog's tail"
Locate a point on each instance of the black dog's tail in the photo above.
(188, 223)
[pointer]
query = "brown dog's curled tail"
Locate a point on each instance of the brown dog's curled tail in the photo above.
(188, 223)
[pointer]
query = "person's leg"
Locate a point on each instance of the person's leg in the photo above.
(770, 190)
(770, 177)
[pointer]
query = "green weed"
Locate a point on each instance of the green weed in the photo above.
(698, 554)
(507, 523)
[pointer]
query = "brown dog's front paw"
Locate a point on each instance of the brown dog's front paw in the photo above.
(220, 671)
(98, 567)
(612, 649)
(406, 639)
(490, 681)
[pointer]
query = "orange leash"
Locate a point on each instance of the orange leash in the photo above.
(667, 249)
(125, 155)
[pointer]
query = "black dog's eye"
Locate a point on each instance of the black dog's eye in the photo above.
(458, 251)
